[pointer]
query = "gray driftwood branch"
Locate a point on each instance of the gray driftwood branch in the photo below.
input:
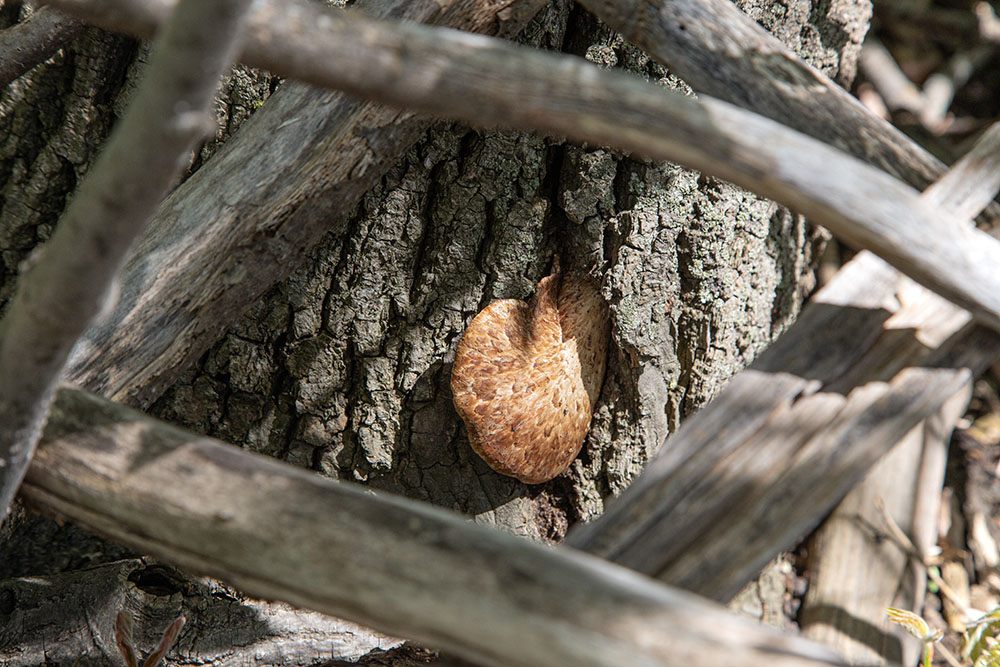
(489, 82)
(72, 276)
(722, 52)
(400, 566)
(25, 44)
(869, 357)
(294, 172)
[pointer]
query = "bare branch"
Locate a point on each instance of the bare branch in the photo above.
(755, 70)
(280, 532)
(489, 82)
(277, 187)
(64, 290)
(972, 183)
(889, 80)
(930, 104)
(722, 52)
(24, 45)
(868, 358)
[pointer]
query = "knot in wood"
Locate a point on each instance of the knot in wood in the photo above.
(527, 375)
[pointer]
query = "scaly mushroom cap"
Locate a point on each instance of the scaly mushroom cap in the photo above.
(527, 375)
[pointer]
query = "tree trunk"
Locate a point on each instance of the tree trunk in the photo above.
(344, 367)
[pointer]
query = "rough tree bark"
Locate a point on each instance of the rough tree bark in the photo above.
(343, 368)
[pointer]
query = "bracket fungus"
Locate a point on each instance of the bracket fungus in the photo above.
(527, 375)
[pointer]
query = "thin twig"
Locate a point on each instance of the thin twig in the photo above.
(73, 276)
(939, 89)
(24, 45)
(989, 24)
(929, 104)
(896, 534)
(948, 655)
(881, 69)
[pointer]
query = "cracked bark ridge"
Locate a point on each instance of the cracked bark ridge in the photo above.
(526, 377)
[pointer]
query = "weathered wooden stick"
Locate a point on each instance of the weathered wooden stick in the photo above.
(855, 573)
(292, 173)
(401, 566)
(868, 327)
(712, 45)
(722, 52)
(864, 277)
(25, 44)
(489, 82)
(73, 275)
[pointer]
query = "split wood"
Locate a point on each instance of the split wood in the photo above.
(854, 573)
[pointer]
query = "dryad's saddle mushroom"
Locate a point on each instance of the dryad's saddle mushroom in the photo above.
(527, 375)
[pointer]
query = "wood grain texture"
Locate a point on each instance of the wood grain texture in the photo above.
(279, 532)
(527, 375)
